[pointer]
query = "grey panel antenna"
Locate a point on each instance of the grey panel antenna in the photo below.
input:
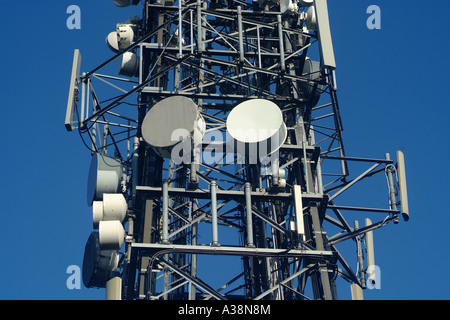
(73, 90)
(325, 41)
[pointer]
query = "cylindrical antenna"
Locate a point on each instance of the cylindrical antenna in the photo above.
(215, 237)
(402, 185)
(248, 205)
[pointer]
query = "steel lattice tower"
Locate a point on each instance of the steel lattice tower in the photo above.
(270, 220)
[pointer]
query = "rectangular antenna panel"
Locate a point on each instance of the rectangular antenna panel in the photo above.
(370, 252)
(299, 222)
(73, 90)
(325, 41)
(402, 185)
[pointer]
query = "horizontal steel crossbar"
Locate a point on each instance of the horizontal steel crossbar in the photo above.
(227, 194)
(152, 249)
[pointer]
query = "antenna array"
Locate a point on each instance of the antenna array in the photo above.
(220, 135)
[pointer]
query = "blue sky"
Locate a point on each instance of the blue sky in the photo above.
(392, 86)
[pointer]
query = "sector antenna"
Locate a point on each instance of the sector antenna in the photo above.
(218, 168)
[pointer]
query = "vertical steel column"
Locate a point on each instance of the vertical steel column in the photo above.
(192, 288)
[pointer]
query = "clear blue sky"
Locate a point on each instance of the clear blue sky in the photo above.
(392, 86)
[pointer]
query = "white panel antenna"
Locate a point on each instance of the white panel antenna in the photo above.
(370, 254)
(299, 220)
(402, 185)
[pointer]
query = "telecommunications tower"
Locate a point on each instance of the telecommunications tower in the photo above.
(218, 166)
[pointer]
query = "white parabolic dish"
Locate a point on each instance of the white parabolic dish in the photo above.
(257, 123)
(98, 265)
(113, 42)
(111, 235)
(170, 121)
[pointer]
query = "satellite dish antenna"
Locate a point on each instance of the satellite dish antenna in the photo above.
(98, 265)
(128, 64)
(111, 235)
(122, 38)
(112, 42)
(171, 121)
(113, 207)
(125, 35)
(105, 176)
(257, 128)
